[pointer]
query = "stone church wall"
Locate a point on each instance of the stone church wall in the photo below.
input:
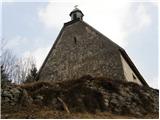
(82, 51)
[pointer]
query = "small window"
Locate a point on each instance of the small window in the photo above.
(74, 16)
(134, 77)
(75, 40)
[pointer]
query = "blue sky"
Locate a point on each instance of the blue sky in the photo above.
(31, 28)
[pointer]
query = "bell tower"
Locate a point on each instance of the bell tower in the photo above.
(76, 14)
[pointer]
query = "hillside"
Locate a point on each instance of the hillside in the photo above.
(86, 97)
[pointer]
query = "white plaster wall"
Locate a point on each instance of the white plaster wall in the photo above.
(128, 72)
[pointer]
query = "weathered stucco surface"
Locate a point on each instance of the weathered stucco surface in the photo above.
(128, 72)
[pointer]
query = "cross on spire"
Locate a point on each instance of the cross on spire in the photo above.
(75, 6)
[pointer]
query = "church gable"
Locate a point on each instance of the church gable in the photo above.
(81, 50)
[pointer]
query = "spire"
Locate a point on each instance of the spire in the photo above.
(76, 13)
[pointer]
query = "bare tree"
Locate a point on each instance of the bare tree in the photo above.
(17, 69)
(22, 69)
(8, 59)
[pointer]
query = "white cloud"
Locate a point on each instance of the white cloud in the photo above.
(53, 15)
(16, 42)
(107, 17)
(114, 19)
(39, 55)
(138, 19)
(153, 82)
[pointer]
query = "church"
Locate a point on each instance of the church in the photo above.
(81, 50)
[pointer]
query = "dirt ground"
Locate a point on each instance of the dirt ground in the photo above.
(39, 112)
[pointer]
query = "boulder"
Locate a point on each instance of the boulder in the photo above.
(25, 99)
(7, 94)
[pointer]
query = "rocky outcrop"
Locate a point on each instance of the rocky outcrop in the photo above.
(87, 94)
(12, 95)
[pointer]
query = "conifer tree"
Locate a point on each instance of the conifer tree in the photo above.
(32, 75)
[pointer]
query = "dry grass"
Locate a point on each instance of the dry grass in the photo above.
(41, 112)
